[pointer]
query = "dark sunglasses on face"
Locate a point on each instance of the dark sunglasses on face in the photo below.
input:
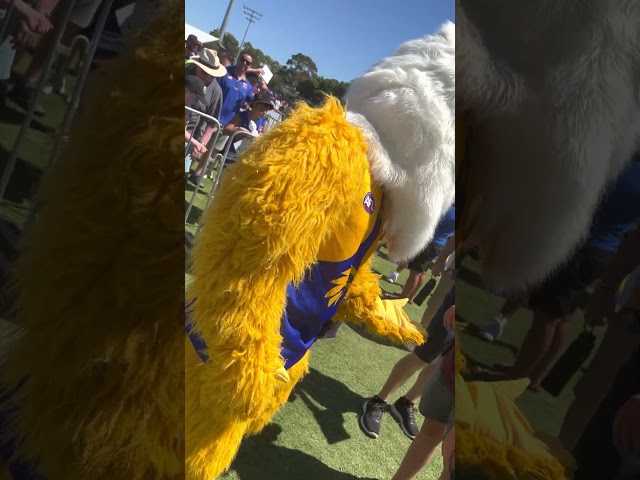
(245, 60)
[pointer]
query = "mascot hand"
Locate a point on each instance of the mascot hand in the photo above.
(392, 312)
(282, 375)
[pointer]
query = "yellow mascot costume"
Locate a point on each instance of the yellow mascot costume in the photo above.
(100, 283)
(286, 245)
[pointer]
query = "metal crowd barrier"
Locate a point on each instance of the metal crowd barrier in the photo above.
(67, 7)
(199, 117)
(273, 118)
(216, 182)
(63, 131)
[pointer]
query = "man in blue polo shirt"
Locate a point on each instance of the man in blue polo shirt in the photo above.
(236, 90)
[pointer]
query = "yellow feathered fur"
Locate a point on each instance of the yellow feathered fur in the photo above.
(270, 216)
(359, 307)
(500, 460)
(100, 283)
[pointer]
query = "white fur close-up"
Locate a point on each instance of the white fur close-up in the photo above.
(554, 88)
(405, 105)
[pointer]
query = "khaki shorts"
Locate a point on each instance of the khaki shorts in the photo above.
(221, 142)
(437, 401)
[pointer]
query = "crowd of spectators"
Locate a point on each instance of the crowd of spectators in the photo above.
(235, 94)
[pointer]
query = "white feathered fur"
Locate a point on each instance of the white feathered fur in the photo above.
(405, 106)
(555, 88)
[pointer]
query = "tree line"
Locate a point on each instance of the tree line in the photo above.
(297, 79)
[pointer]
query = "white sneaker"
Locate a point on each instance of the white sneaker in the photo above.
(494, 328)
(393, 278)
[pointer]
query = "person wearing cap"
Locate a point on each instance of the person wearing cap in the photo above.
(194, 93)
(192, 47)
(251, 120)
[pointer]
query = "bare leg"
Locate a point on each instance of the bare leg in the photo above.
(416, 390)
(412, 287)
(437, 297)
(558, 341)
(535, 345)
(415, 291)
(421, 450)
(401, 372)
(448, 454)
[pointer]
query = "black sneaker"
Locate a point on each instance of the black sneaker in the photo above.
(371, 417)
(405, 413)
(193, 178)
(23, 95)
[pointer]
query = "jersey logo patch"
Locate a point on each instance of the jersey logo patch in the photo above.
(369, 203)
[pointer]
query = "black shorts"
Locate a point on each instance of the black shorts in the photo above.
(565, 290)
(439, 339)
(425, 258)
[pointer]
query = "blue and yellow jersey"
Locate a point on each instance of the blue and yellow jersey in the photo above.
(316, 299)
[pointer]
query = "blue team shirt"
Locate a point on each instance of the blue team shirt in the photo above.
(446, 227)
(234, 93)
(619, 211)
(261, 125)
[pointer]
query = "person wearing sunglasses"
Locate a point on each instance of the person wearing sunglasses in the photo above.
(236, 91)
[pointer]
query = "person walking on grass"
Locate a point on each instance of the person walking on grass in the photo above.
(424, 260)
(425, 357)
(554, 301)
(437, 406)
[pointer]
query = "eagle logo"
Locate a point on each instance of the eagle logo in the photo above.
(369, 203)
(336, 293)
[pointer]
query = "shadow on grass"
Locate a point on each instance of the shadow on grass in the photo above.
(363, 332)
(260, 457)
(190, 187)
(24, 178)
(194, 214)
(334, 397)
(475, 331)
(477, 371)
(382, 254)
(469, 276)
(16, 117)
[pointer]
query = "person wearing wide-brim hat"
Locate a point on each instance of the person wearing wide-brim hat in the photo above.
(209, 62)
(207, 67)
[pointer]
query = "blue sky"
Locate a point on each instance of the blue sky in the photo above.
(343, 37)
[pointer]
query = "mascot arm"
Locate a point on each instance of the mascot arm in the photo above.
(386, 318)
(263, 231)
